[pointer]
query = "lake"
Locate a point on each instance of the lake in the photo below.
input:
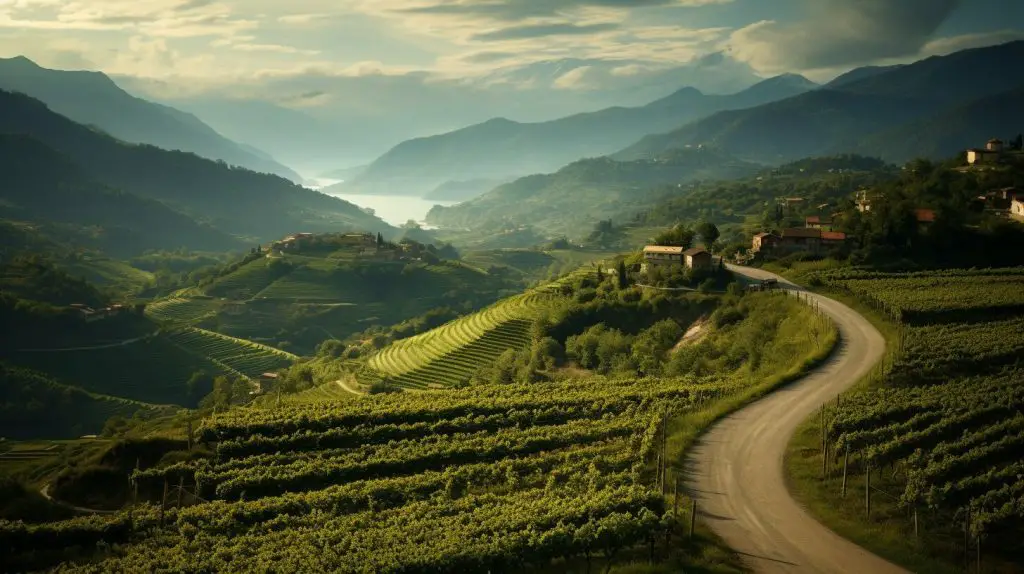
(394, 209)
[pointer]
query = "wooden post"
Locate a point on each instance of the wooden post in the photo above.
(190, 442)
(675, 501)
(693, 517)
(867, 488)
(846, 462)
(967, 538)
(163, 502)
(181, 489)
(824, 458)
(657, 473)
(916, 531)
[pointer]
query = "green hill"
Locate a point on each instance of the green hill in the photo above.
(92, 98)
(44, 185)
(35, 406)
(236, 201)
(571, 200)
(296, 299)
(503, 149)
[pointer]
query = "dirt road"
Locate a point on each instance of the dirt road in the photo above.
(736, 469)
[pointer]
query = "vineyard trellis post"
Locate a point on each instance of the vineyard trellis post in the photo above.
(693, 516)
(189, 433)
(181, 489)
(846, 462)
(967, 538)
(163, 502)
(917, 531)
(867, 489)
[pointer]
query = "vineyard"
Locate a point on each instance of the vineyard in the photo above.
(237, 355)
(508, 477)
(181, 309)
(453, 352)
(947, 422)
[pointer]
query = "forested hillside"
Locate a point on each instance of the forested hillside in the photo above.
(570, 201)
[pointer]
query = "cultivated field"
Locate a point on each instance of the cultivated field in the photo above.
(244, 357)
(179, 309)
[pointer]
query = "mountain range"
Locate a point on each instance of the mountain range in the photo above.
(855, 112)
(501, 148)
(92, 98)
(174, 198)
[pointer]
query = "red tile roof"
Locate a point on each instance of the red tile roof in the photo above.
(924, 215)
(833, 236)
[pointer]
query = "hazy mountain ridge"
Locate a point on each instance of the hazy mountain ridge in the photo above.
(839, 118)
(233, 200)
(501, 148)
(93, 98)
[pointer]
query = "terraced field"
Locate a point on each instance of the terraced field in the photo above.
(453, 352)
(181, 309)
(245, 357)
(309, 284)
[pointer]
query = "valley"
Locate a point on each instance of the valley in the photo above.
(695, 334)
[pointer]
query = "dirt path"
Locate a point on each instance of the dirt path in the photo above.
(45, 492)
(736, 469)
(348, 388)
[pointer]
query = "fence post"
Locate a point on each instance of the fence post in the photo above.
(846, 462)
(867, 488)
(916, 531)
(181, 489)
(693, 516)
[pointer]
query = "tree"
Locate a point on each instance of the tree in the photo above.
(709, 234)
(621, 272)
(1018, 142)
(380, 239)
(600, 275)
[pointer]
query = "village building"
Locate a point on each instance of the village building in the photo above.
(994, 152)
(863, 203)
(1017, 208)
(657, 255)
(797, 239)
(818, 222)
(697, 258)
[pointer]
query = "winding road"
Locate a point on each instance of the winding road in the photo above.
(736, 472)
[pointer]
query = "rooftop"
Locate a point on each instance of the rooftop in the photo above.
(663, 249)
(694, 251)
(833, 236)
(924, 215)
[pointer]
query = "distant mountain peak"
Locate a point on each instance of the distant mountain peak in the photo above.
(20, 61)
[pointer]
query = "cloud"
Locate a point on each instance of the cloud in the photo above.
(841, 33)
(487, 57)
(519, 9)
(541, 30)
(950, 44)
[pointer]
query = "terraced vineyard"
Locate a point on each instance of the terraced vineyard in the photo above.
(454, 351)
(245, 357)
(181, 309)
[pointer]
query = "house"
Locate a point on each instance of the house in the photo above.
(1017, 208)
(994, 152)
(832, 238)
(765, 241)
(863, 203)
(663, 255)
(697, 258)
(818, 222)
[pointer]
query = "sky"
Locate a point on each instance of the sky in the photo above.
(214, 42)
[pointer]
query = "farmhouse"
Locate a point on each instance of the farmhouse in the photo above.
(994, 152)
(1017, 208)
(797, 239)
(818, 222)
(663, 255)
(697, 258)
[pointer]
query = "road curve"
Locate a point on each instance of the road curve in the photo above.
(736, 469)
